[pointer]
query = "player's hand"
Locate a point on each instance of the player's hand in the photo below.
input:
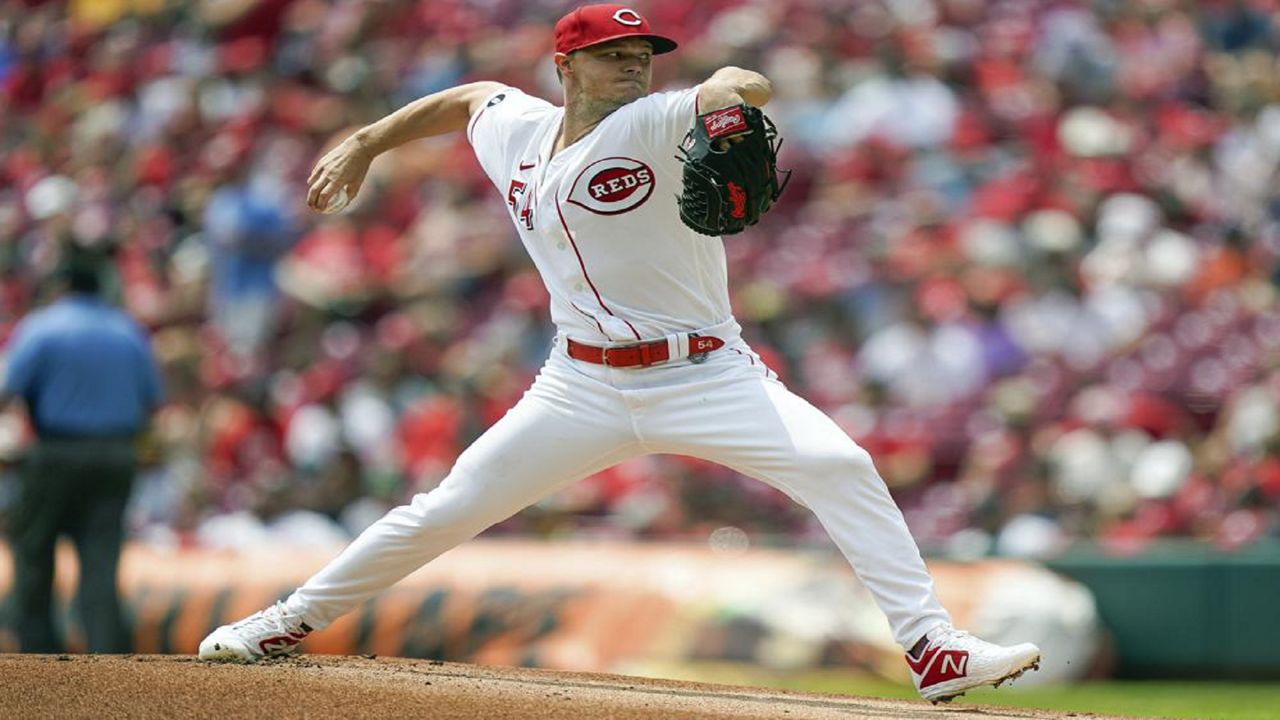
(342, 168)
(724, 143)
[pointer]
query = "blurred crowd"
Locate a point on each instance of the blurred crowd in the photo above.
(1028, 258)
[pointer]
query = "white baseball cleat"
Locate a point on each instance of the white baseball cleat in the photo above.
(953, 662)
(272, 632)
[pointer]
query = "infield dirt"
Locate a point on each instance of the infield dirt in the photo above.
(323, 686)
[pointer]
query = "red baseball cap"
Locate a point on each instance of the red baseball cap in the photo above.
(594, 24)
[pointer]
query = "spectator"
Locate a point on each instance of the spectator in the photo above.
(248, 228)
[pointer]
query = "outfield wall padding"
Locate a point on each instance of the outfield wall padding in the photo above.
(1185, 609)
(595, 606)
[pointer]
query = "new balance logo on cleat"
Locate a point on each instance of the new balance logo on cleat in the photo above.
(276, 645)
(949, 665)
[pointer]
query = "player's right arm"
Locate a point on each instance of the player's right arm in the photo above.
(346, 165)
(732, 86)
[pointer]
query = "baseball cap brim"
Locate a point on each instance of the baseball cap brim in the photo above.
(660, 44)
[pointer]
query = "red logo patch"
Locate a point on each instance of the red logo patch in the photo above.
(728, 121)
(612, 186)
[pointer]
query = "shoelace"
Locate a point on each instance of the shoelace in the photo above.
(264, 620)
(945, 634)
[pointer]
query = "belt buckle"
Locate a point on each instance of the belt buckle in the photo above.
(643, 348)
(696, 358)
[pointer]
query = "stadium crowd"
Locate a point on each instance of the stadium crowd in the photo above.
(1028, 258)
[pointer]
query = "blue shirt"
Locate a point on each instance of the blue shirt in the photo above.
(84, 368)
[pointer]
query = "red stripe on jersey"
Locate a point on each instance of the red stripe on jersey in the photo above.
(590, 317)
(583, 265)
(471, 126)
(474, 121)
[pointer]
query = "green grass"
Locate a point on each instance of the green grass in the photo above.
(1165, 699)
(1147, 699)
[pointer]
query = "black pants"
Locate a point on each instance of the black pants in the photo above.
(80, 488)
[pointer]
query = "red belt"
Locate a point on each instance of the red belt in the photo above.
(641, 354)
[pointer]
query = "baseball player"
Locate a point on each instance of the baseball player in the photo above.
(647, 359)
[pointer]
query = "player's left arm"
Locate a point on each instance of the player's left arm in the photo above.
(731, 86)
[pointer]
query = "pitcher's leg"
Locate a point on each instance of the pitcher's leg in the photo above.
(546, 441)
(760, 428)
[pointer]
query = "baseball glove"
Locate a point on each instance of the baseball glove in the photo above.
(731, 172)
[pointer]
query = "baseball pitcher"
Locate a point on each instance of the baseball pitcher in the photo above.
(619, 197)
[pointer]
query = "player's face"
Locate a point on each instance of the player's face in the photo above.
(618, 71)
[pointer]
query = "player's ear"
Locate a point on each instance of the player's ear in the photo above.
(563, 66)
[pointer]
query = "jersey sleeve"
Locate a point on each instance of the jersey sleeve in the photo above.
(662, 119)
(501, 126)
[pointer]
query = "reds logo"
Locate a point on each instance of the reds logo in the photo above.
(612, 186)
(627, 16)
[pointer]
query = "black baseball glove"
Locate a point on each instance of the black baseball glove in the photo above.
(731, 172)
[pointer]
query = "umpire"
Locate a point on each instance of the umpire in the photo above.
(90, 382)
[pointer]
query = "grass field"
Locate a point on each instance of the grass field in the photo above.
(1167, 699)
(1149, 699)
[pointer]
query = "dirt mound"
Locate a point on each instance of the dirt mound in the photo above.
(167, 686)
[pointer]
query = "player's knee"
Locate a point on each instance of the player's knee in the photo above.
(433, 507)
(849, 461)
(454, 506)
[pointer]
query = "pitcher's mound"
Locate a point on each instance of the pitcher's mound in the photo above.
(168, 686)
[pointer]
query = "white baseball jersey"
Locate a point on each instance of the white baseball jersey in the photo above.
(600, 218)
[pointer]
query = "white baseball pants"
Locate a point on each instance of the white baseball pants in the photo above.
(578, 419)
